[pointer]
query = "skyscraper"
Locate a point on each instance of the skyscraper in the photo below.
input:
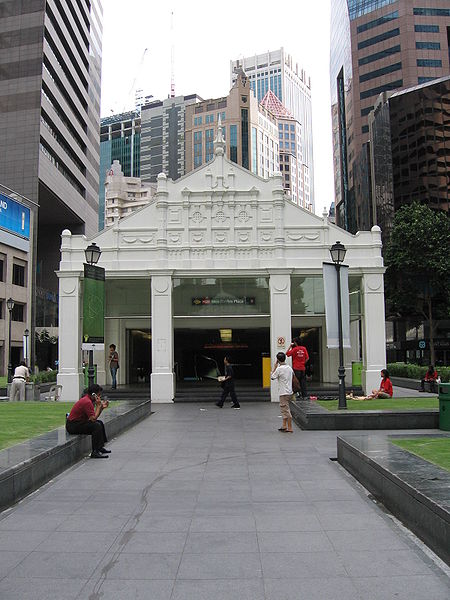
(49, 117)
(162, 137)
(276, 71)
(376, 46)
(250, 130)
(120, 139)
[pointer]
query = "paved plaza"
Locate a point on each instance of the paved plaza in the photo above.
(201, 503)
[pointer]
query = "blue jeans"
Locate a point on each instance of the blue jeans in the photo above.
(113, 376)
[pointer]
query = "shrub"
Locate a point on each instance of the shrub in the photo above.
(412, 371)
(44, 377)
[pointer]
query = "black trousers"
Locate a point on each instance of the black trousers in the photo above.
(301, 376)
(431, 385)
(96, 429)
(229, 389)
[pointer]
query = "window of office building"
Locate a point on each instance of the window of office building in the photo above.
(2, 266)
(426, 28)
(432, 12)
(382, 88)
(209, 144)
(376, 22)
(18, 276)
(428, 62)
(380, 72)
(365, 60)
(18, 312)
(358, 8)
(428, 45)
(378, 38)
(233, 143)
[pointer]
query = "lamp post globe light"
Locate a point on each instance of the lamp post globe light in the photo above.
(338, 252)
(92, 254)
(26, 334)
(10, 305)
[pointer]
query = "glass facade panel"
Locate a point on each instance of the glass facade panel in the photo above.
(127, 297)
(358, 8)
(233, 143)
(428, 45)
(307, 296)
(225, 296)
(432, 12)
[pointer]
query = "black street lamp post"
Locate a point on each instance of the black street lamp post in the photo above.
(10, 305)
(337, 252)
(92, 254)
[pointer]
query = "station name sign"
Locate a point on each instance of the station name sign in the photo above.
(206, 301)
(14, 217)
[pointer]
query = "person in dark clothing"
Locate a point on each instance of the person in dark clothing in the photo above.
(228, 385)
(300, 357)
(83, 419)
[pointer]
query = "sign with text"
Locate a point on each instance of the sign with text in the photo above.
(14, 217)
(245, 300)
(93, 305)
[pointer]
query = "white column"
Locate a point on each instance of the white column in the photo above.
(69, 368)
(163, 378)
(280, 320)
(374, 336)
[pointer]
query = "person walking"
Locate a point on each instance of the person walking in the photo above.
(283, 373)
(228, 386)
(21, 376)
(300, 357)
(84, 419)
(113, 365)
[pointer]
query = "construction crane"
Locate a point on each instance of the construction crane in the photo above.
(138, 71)
(172, 59)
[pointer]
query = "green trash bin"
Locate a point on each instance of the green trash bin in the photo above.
(444, 406)
(357, 368)
(86, 378)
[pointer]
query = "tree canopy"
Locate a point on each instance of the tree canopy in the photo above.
(417, 257)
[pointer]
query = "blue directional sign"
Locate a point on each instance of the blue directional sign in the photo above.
(422, 344)
(14, 217)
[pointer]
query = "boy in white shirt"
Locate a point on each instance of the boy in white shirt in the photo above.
(284, 373)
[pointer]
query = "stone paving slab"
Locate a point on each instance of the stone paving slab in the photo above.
(213, 504)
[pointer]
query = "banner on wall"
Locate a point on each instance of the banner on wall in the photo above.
(14, 217)
(94, 308)
(331, 305)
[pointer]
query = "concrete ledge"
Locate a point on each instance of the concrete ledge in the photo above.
(414, 490)
(25, 467)
(310, 415)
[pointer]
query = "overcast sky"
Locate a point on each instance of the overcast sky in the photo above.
(206, 36)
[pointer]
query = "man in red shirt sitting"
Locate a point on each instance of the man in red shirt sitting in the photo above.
(300, 357)
(83, 418)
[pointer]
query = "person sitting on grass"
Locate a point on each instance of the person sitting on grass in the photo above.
(430, 377)
(83, 419)
(386, 390)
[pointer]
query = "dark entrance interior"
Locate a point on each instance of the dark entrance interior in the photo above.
(310, 338)
(139, 355)
(199, 354)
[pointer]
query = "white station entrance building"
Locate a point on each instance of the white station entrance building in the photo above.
(219, 263)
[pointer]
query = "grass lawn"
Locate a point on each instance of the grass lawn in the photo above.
(434, 450)
(390, 404)
(20, 421)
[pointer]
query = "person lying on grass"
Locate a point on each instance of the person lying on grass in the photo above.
(385, 390)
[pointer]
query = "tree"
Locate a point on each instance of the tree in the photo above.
(417, 281)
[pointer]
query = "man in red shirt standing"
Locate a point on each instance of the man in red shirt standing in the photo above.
(83, 418)
(300, 357)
